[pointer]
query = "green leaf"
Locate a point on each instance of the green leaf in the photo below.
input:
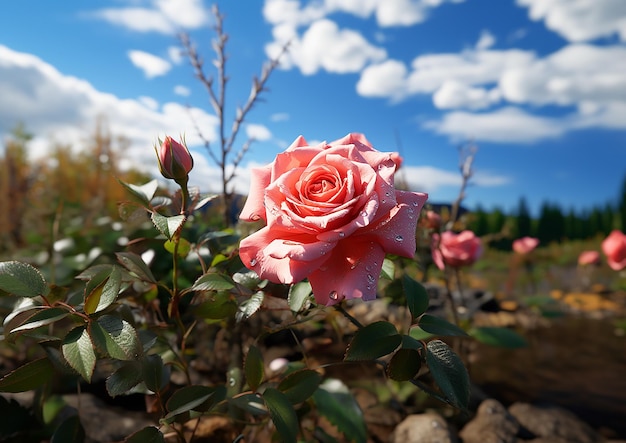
(251, 403)
(184, 247)
(77, 349)
(148, 434)
(404, 364)
(336, 403)
(218, 307)
(409, 342)
(416, 296)
(125, 378)
(135, 264)
(22, 280)
(419, 334)
(69, 431)
(449, 373)
(115, 337)
(40, 318)
(250, 306)
(154, 373)
(282, 414)
(388, 270)
(438, 326)
(300, 385)
(194, 398)
(102, 289)
(494, 336)
(168, 226)
(373, 341)
(299, 293)
(141, 194)
(213, 281)
(29, 376)
(253, 368)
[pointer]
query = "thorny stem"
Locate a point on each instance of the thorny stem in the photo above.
(345, 313)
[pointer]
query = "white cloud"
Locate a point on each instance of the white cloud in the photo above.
(506, 125)
(175, 54)
(386, 79)
(279, 117)
(258, 132)
(61, 108)
(454, 94)
(485, 41)
(151, 65)
(580, 20)
(181, 90)
(149, 102)
(430, 180)
(164, 16)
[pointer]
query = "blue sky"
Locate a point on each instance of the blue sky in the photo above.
(538, 86)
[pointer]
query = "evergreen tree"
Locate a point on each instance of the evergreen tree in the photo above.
(523, 221)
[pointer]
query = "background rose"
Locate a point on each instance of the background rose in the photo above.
(614, 247)
(525, 244)
(332, 214)
(456, 250)
(589, 258)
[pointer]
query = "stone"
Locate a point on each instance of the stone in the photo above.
(423, 428)
(491, 424)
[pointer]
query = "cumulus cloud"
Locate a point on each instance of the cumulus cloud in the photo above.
(162, 16)
(151, 65)
(181, 90)
(429, 179)
(580, 20)
(454, 94)
(258, 132)
(486, 40)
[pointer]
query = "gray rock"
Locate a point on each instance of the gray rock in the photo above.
(492, 424)
(423, 428)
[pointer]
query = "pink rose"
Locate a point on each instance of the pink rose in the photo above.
(175, 161)
(525, 244)
(431, 220)
(332, 214)
(589, 258)
(456, 250)
(614, 247)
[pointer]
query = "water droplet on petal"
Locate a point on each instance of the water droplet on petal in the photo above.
(399, 238)
(253, 262)
(363, 214)
(342, 234)
(388, 194)
(333, 295)
(255, 217)
(370, 278)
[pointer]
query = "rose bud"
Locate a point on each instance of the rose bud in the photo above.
(175, 161)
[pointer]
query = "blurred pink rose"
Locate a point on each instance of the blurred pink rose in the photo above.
(431, 220)
(525, 244)
(614, 247)
(456, 250)
(589, 258)
(175, 161)
(332, 214)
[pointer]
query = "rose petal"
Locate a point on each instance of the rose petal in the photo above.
(253, 209)
(351, 271)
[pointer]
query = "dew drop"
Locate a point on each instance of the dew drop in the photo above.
(342, 234)
(416, 204)
(255, 217)
(333, 295)
(253, 262)
(368, 268)
(363, 214)
(370, 278)
(388, 194)
(399, 238)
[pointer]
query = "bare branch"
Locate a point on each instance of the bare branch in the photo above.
(467, 153)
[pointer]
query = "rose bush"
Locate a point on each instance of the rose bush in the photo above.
(525, 245)
(587, 258)
(332, 213)
(456, 250)
(614, 247)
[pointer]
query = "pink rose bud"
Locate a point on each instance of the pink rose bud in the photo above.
(456, 250)
(175, 161)
(332, 212)
(525, 244)
(589, 258)
(614, 247)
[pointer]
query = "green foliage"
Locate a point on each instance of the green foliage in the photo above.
(449, 372)
(373, 341)
(502, 337)
(335, 402)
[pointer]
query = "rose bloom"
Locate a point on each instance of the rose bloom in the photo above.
(589, 258)
(456, 250)
(431, 220)
(332, 214)
(525, 244)
(614, 247)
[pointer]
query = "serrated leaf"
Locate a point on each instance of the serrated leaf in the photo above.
(416, 296)
(135, 264)
(300, 385)
(29, 376)
(494, 336)
(388, 270)
(148, 434)
(373, 341)
(253, 368)
(213, 281)
(115, 337)
(40, 318)
(449, 373)
(203, 201)
(250, 306)
(168, 226)
(154, 373)
(22, 279)
(299, 293)
(105, 293)
(141, 194)
(124, 378)
(194, 398)
(69, 431)
(77, 349)
(404, 364)
(337, 404)
(282, 414)
(438, 326)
